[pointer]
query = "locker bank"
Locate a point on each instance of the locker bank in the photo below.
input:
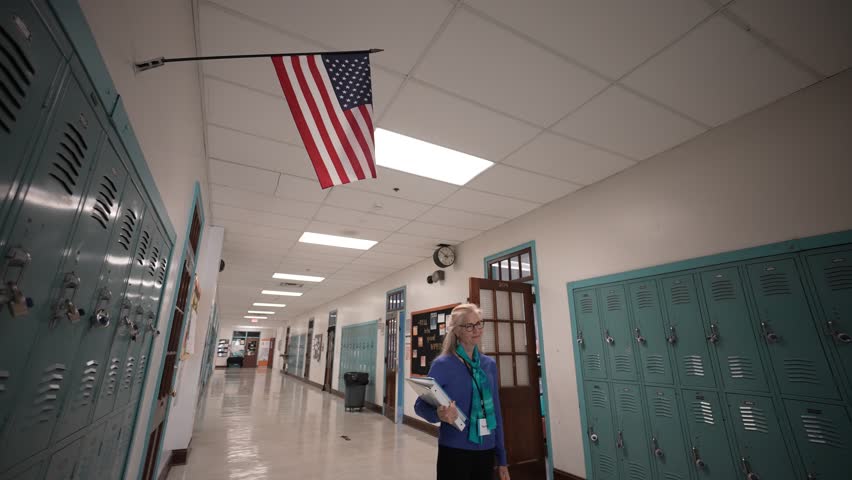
(649, 202)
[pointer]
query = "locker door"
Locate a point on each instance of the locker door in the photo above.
(650, 332)
(156, 274)
(128, 422)
(29, 61)
(88, 456)
(589, 334)
(667, 441)
(95, 345)
(632, 442)
(35, 472)
(789, 331)
(823, 434)
(736, 348)
(686, 332)
(63, 463)
(601, 439)
(48, 373)
(760, 445)
(832, 276)
(109, 447)
(617, 333)
(36, 246)
(707, 442)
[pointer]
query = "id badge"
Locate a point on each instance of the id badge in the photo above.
(483, 427)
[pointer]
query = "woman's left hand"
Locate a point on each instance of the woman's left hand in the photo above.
(504, 472)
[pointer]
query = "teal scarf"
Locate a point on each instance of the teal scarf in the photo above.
(481, 403)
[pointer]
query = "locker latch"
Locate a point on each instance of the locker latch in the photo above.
(619, 440)
(11, 295)
(580, 340)
(696, 458)
(126, 321)
(714, 334)
(592, 435)
(747, 470)
(149, 325)
(841, 337)
(65, 307)
(768, 334)
(608, 337)
(655, 447)
(639, 338)
(672, 338)
(101, 317)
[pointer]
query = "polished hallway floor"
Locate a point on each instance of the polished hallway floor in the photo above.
(259, 424)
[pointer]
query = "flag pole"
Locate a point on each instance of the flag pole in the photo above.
(160, 61)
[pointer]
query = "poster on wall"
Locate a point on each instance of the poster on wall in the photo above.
(188, 347)
(317, 347)
(263, 354)
(427, 337)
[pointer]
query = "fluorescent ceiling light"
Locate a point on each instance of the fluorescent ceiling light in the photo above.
(260, 304)
(335, 241)
(254, 320)
(255, 316)
(302, 278)
(262, 312)
(426, 159)
(279, 292)
(247, 326)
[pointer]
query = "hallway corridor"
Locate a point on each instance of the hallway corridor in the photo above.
(259, 424)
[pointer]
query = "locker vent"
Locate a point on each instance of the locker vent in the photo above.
(69, 159)
(822, 431)
(839, 277)
(613, 302)
(48, 392)
(599, 399)
(753, 418)
(87, 383)
(645, 299)
(637, 471)
(587, 304)
(144, 244)
(128, 373)
(680, 295)
(628, 402)
(702, 412)
(694, 365)
(723, 290)
(155, 261)
(161, 276)
(672, 476)
(607, 465)
(774, 284)
(663, 407)
(104, 202)
(593, 361)
(4, 376)
(16, 73)
(740, 367)
(128, 225)
(114, 365)
(654, 364)
(140, 374)
(801, 370)
(623, 364)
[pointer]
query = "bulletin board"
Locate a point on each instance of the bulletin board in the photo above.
(428, 328)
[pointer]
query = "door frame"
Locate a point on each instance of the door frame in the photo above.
(400, 374)
(548, 461)
(330, 346)
(772, 249)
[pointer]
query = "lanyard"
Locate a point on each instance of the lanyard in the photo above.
(475, 382)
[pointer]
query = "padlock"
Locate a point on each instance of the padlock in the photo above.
(18, 304)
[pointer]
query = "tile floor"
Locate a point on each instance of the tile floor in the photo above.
(259, 424)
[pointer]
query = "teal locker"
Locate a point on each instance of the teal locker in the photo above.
(600, 432)
(588, 335)
(36, 248)
(104, 316)
(29, 62)
(788, 330)
(49, 373)
(617, 334)
(63, 462)
(686, 332)
(823, 434)
(832, 276)
(109, 447)
(650, 332)
(631, 440)
(127, 427)
(87, 462)
(707, 439)
(666, 434)
(761, 450)
(35, 472)
(737, 350)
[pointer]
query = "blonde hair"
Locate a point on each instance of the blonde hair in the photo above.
(457, 317)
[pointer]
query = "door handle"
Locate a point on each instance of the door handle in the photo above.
(639, 338)
(672, 338)
(608, 337)
(838, 335)
(697, 460)
(18, 303)
(747, 470)
(714, 334)
(768, 334)
(655, 447)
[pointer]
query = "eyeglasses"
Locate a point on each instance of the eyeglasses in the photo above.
(468, 327)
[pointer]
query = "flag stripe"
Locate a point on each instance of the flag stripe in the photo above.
(361, 118)
(335, 114)
(318, 120)
(292, 101)
(356, 130)
(367, 113)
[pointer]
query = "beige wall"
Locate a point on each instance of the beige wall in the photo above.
(779, 173)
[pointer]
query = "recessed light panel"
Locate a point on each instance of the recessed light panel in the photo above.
(281, 293)
(263, 312)
(335, 241)
(301, 278)
(261, 304)
(255, 316)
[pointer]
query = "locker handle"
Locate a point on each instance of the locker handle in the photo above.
(696, 458)
(619, 440)
(18, 303)
(747, 470)
(639, 338)
(102, 317)
(658, 452)
(768, 334)
(608, 337)
(65, 307)
(841, 337)
(592, 435)
(672, 338)
(580, 340)
(714, 334)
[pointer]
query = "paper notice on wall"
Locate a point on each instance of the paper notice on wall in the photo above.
(189, 337)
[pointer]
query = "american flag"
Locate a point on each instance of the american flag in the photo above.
(331, 99)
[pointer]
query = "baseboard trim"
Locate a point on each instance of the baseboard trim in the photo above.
(373, 407)
(560, 475)
(165, 473)
(303, 379)
(337, 393)
(416, 424)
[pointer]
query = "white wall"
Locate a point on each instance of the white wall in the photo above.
(779, 173)
(164, 106)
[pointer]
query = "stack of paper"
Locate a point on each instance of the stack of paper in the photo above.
(432, 393)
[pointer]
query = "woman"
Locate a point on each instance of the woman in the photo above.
(470, 379)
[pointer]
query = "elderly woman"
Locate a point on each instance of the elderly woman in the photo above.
(470, 379)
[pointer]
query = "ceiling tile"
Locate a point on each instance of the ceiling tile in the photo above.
(559, 157)
(459, 218)
(297, 267)
(385, 247)
(372, 202)
(355, 218)
(449, 234)
(250, 111)
(299, 188)
(226, 212)
(717, 73)
(489, 204)
(347, 231)
(311, 250)
(257, 230)
(455, 123)
(609, 36)
(245, 239)
(628, 124)
(242, 177)
(411, 187)
(363, 277)
(817, 32)
(234, 147)
(418, 241)
(265, 203)
(516, 183)
(384, 260)
(524, 80)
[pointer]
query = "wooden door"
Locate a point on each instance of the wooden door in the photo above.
(309, 348)
(509, 338)
(391, 363)
(329, 359)
(250, 359)
(271, 357)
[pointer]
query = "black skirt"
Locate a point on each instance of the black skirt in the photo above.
(459, 464)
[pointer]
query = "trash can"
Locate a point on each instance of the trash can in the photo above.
(356, 389)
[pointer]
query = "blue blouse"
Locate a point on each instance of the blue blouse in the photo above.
(451, 373)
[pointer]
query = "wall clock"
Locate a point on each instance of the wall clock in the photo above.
(444, 256)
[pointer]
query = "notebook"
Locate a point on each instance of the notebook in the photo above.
(432, 393)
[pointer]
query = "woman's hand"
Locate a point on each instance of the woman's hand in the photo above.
(503, 472)
(448, 414)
